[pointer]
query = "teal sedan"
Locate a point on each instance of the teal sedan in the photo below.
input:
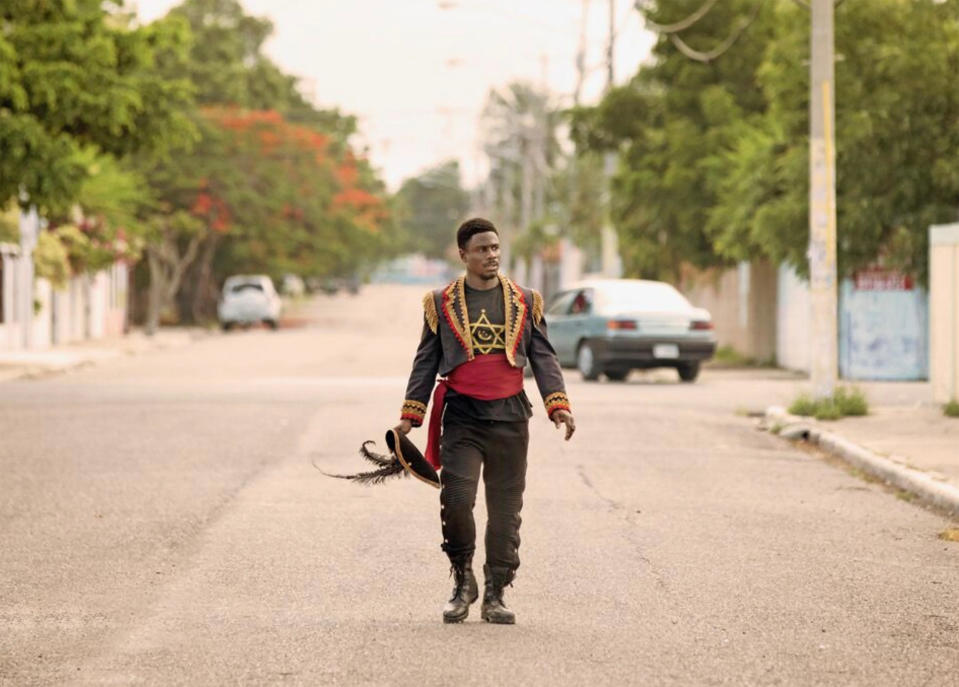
(613, 326)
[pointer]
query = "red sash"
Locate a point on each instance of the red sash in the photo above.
(486, 377)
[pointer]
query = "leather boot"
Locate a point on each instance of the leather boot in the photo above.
(465, 592)
(493, 609)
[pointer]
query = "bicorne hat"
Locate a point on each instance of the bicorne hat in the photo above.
(404, 460)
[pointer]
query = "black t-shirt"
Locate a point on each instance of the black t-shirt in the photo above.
(488, 331)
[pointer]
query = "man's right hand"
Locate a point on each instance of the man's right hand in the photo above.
(404, 427)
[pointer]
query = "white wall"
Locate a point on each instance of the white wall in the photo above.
(944, 312)
(43, 318)
(10, 338)
(793, 346)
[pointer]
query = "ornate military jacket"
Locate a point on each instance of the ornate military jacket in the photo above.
(446, 343)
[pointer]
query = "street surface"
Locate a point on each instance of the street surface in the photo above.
(161, 523)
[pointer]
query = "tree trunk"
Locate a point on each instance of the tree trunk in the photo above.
(157, 287)
(204, 292)
(167, 268)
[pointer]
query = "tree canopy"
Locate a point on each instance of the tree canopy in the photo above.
(75, 75)
(713, 158)
(432, 204)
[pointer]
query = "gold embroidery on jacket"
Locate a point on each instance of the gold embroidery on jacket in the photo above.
(537, 306)
(458, 321)
(556, 401)
(515, 315)
(429, 311)
(413, 410)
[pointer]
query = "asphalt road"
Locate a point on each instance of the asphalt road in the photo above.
(161, 523)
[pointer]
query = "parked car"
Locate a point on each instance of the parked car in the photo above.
(293, 286)
(612, 326)
(249, 299)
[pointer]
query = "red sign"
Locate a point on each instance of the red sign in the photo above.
(876, 279)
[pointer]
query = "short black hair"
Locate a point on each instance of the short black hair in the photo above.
(476, 225)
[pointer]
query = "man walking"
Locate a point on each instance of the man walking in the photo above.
(478, 333)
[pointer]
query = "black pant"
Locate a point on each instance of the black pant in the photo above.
(500, 449)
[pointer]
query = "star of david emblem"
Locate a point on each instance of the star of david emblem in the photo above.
(487, 337)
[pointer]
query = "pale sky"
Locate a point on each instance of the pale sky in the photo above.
(416, 72)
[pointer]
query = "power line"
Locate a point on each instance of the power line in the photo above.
(679, 25)
(671, 30)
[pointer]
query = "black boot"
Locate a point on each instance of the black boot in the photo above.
(465, 592)
(494, 610)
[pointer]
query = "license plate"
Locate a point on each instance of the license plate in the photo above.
(665, 351)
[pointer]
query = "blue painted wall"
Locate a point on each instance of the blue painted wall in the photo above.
(883, 335)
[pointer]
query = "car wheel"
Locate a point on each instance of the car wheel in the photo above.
(586, 362)
(688, 371)
(272, 324)
(617, 374)
(226, 326)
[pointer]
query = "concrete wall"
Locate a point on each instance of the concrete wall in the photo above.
(89, 307)
(10, 334)
(944, 312)
(883, 328)
(742, 302)
(794, 319)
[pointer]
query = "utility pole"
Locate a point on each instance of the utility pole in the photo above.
(609, 242)
(822, 202)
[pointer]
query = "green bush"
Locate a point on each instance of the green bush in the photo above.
(851, 401)
(951, 409)
(844, 402)
(51, 260)
(803, 405)
(828, 409)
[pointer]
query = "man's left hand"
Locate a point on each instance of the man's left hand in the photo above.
(564, 417)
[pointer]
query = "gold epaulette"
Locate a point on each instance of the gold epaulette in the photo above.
(537, 307)
(429, 311)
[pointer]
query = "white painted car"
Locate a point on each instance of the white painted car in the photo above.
(612, 326)
(249, 299)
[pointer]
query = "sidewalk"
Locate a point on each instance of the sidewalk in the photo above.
(906, 440)
(31, 364)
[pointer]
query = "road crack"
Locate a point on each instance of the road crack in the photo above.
(629, 516)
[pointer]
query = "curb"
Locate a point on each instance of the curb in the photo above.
(35, 365)
(928, 489)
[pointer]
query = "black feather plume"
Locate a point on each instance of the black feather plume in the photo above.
(374, 476)
(376, 458)
(388, 467)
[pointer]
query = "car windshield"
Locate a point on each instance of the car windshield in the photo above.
(246, 286)
(639, 297)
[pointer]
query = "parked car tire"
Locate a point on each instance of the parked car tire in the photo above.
(617, 374)
(586, 362)
(272, 324)
(226, 326)
(688, 371)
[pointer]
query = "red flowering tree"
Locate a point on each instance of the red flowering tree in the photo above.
(262, 194)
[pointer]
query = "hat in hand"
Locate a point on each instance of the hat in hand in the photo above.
(404, 460)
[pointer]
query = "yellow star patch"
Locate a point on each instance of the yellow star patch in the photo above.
(487, 337)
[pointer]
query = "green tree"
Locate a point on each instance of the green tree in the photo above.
(257, 192)
(897, 139)
(75, 74)
(433, 202)
(519, 132)
(668, 126)
(227, 66)
(713, 158)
